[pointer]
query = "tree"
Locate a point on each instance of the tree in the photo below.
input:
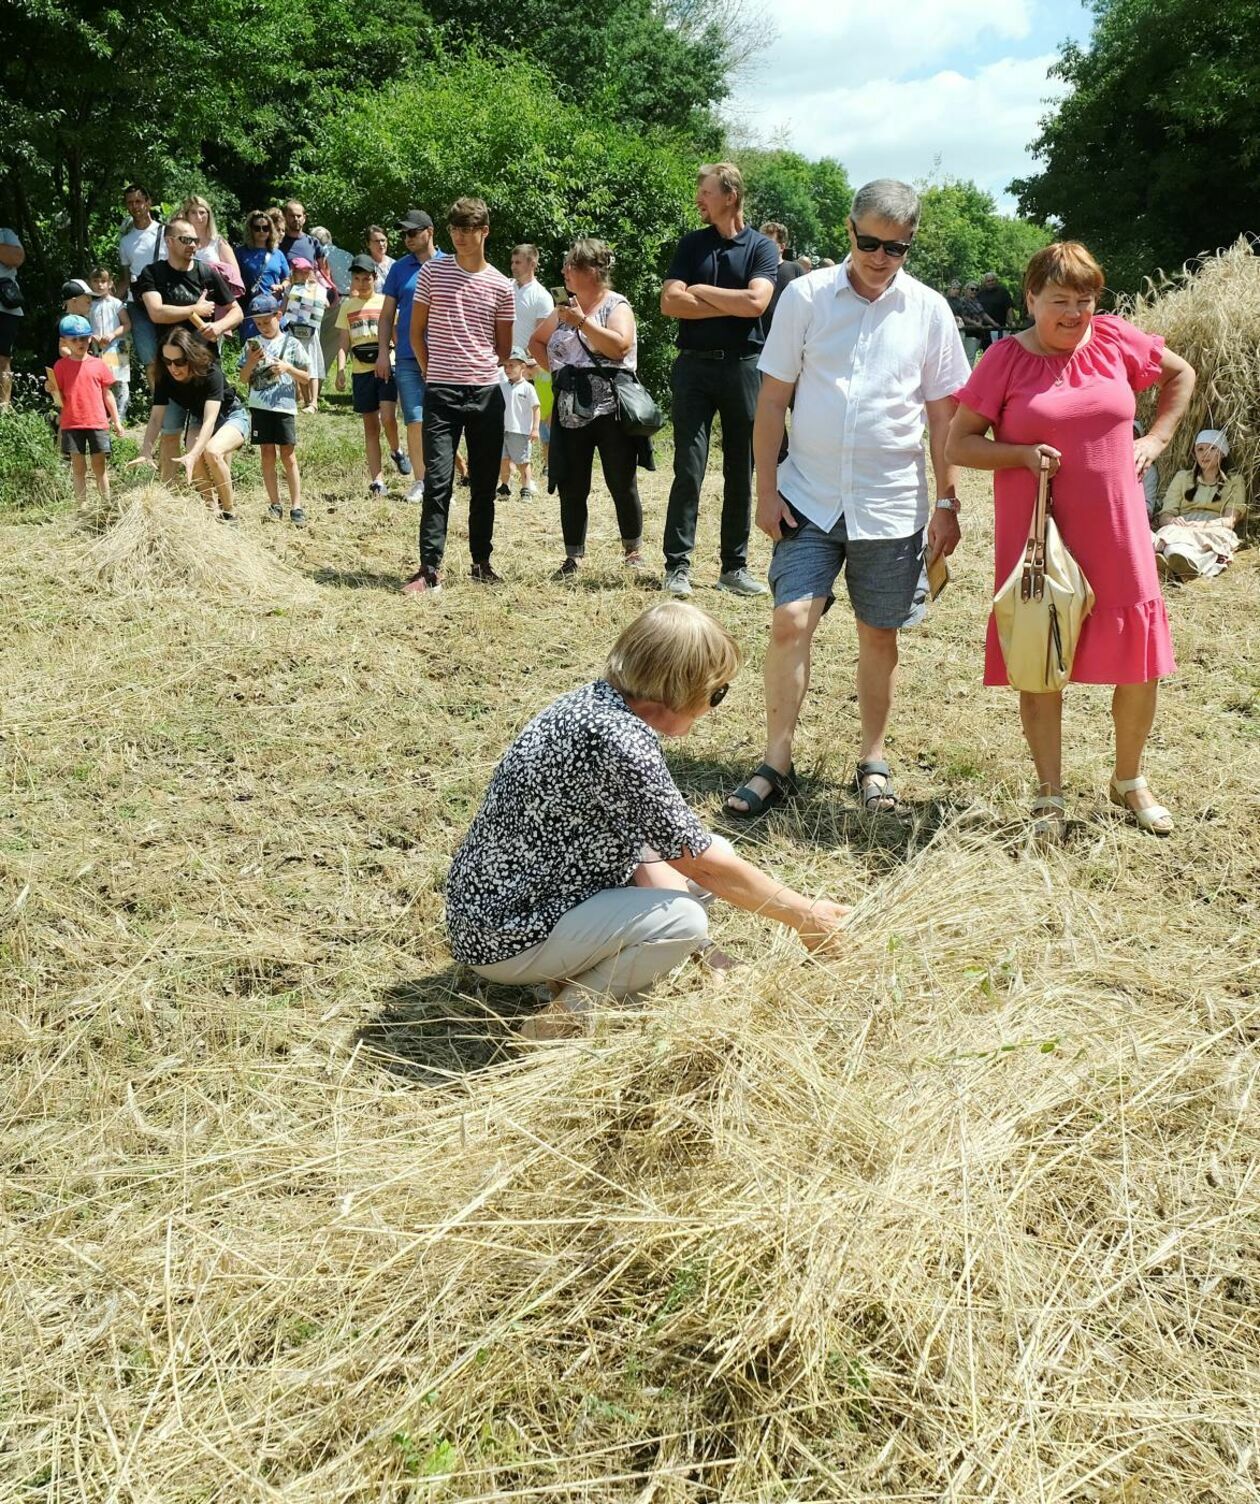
(811, 198)
(549, 172)
(1154, 156)
(961, 236)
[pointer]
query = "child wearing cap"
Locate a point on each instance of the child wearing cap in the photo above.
(521, 409)
(76, 302)
(111, 324)
(374, 397)
(88, 410)
(274, 366)
(306, 303)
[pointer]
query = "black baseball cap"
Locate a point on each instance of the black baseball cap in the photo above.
(364, 264)
(414, 219)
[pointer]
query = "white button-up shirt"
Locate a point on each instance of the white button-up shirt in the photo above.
(863, 371)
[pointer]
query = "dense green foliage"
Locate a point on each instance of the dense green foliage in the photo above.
(811, 198)
(961, 235)
(547, 170)
(1154, 157)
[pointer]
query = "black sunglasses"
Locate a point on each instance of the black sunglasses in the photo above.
(174, 360)
(186, 239)
(718, 695)
(868, 243)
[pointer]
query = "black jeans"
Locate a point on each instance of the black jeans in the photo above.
(703, 388)
(476, 412)
(618, 457)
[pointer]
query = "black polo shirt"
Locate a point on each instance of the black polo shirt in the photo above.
(704, 256)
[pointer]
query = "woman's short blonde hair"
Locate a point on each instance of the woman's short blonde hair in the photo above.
(1066, 263)
(674, 654)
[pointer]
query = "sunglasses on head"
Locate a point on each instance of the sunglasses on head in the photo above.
(718, 695)
(869, 243)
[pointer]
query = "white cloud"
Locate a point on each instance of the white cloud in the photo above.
(978, 126)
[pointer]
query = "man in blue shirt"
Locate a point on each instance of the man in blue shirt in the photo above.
(718, 287)
(296, 242)
(395, 325)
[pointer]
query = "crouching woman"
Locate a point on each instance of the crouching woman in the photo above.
(584, 867)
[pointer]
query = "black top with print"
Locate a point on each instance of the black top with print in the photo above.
(574, 800)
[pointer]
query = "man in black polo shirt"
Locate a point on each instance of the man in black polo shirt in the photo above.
(718, 286)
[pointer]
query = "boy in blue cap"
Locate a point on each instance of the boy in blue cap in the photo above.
(88, 410)
(275, 366)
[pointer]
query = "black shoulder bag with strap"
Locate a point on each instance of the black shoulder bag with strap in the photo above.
(636, 409)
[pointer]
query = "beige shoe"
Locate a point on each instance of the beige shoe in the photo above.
(555, 1023)
(1154, 818)
(1049, 825)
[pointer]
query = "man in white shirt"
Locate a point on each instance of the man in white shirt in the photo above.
(869, 356)
(533, 304)
(141, 244)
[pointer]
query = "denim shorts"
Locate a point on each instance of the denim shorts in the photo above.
(144, 334)
(178, 420)
(238, 419)
(368, 391)
(886, 577)
(410, 384)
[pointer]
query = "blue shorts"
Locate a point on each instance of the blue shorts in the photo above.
(144, 333)
(177, 419)
(410, 384)
(238, 419)
(368, 391)
(886, 577)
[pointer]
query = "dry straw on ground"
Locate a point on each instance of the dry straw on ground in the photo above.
(968, 1212)
(156, 542)
(1210, 315)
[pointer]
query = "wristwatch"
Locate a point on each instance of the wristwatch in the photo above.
(949, 503)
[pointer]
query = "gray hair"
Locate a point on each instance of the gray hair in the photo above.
(888, 199)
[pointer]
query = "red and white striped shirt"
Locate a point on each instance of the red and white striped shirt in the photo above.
(463, 310)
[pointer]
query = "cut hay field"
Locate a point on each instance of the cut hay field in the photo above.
(970, 1211)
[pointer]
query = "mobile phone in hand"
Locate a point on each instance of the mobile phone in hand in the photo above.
(560, 295)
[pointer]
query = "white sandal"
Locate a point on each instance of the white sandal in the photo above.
(1049, 818)
(1153, 818)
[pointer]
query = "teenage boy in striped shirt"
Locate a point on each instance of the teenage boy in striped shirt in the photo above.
(461, 333)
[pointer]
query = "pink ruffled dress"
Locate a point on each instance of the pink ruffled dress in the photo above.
(1083, 404)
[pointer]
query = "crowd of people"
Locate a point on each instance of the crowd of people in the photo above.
(584, 868)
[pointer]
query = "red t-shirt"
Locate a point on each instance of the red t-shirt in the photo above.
(463, 308)
(83, 384)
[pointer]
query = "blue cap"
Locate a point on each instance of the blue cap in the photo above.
(263, 303)
(75, 326)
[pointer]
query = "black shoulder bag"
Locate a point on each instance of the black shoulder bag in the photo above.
(636, 410)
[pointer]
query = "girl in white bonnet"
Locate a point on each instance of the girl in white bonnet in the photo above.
(1196, 531)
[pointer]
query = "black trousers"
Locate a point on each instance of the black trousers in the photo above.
(476, 413)
(618, 457)
(704, 389)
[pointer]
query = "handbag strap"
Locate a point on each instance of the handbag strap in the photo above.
(1032, 583)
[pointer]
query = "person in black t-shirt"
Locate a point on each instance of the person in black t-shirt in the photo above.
(996, 302)
(787, 271)
(211, 417)
(718, 287)
(182, 291)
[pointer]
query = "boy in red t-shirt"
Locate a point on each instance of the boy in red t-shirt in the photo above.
(88, 409)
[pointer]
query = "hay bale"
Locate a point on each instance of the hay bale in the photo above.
(156, 542)
(1209, 314)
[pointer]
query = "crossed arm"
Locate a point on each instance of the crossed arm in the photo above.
(700, 301)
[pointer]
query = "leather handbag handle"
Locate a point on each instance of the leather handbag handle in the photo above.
(1032, 584)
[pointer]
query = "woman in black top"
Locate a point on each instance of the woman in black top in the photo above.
(218, 424)
(584, 867)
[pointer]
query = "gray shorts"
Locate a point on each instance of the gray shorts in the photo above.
(516, 448)
(886, 577)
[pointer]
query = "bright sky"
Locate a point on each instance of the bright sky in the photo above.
(889, 88)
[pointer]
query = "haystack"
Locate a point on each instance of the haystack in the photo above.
(1209, 313)
(158, 542)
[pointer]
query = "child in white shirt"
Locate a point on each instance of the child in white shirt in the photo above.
(520, 424)
(111, 324)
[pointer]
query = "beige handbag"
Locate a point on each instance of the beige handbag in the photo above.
(1040, 609)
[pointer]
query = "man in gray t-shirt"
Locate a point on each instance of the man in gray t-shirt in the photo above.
(140, 245)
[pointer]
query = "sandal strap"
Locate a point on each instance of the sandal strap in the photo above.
(1048, 802)
(872, 797)
(1127, 785)
(781, 786)
(777, 780)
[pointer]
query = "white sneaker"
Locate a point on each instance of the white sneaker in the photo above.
(678, 582)
(416, 493)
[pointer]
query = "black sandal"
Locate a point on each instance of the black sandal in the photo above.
(782, 786)
(873, 798)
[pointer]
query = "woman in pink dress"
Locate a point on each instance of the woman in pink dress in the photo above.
(1061, 394)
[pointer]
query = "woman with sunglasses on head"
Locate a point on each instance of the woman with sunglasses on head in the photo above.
(216, 425)
(264, 266)
(584, 867)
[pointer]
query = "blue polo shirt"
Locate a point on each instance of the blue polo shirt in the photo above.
(400, 284)
(704, 256)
